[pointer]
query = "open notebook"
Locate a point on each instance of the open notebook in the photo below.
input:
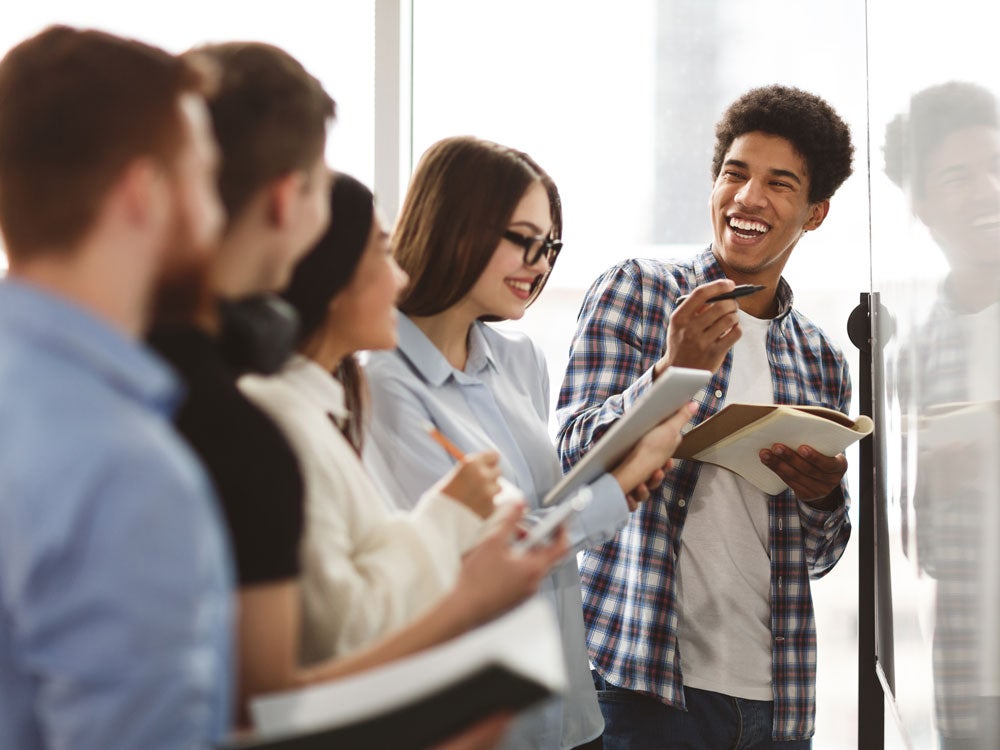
(505, 665)
(733, 437)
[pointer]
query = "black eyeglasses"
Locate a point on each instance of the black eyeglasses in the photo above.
(535, 247)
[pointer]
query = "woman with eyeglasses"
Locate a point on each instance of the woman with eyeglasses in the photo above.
(478, 235)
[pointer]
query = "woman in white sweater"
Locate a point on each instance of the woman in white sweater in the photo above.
(366, 569)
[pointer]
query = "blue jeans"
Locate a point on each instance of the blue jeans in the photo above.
(633, 721)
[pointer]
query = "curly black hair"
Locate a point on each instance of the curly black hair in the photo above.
(811, 125)
(934, 113)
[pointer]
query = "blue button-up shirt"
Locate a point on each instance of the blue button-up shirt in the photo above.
(115, 582)
(629, 584)
(500, 401)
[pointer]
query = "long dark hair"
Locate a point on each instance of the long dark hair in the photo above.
(324, 272)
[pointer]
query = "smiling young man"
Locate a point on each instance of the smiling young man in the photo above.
(706, 638)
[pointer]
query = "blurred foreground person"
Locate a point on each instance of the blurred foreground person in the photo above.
(115, 623)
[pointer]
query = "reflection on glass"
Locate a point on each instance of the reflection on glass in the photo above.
(944, 153)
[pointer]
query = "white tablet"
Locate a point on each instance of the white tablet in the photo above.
(669, 392)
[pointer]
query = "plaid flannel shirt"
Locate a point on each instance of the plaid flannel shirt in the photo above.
(629, 586)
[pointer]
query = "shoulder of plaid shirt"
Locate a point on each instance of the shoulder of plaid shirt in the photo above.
(629, 592)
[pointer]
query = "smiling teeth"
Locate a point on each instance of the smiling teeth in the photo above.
(524, 286)
(755, 226)
(986, 221)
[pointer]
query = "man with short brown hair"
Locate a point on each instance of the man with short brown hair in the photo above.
(114, 578)
(270, 117)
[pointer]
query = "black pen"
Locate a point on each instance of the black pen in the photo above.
(740, 291)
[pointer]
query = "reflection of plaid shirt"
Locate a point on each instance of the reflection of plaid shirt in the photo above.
(950, 506)
(932, 371)
(629, 587)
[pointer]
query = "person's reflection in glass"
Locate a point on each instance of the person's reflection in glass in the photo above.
(945, 153)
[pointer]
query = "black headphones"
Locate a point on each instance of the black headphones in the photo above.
(259, 333)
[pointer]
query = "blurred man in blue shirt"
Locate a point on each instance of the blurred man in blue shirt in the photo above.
(114, 574)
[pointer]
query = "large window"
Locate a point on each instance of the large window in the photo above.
(618, 103)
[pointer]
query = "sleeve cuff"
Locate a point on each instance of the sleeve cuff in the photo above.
(638, 387)
(604, 515)
(826, 520)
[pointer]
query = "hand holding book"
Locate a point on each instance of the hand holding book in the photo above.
(812, 476)
(735, 436)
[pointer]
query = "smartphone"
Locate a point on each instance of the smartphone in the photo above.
(543, 531)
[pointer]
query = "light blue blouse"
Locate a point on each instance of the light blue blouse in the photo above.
(500, 402)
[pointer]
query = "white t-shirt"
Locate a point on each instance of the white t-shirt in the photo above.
(724, 567)
(983, 379)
